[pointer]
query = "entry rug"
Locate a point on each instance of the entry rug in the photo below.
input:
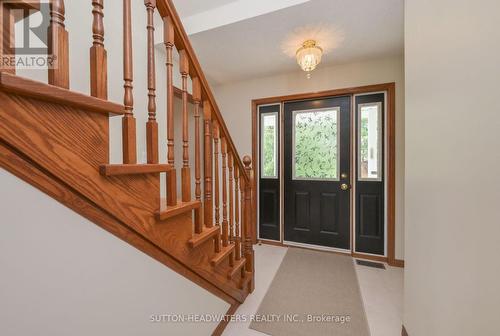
(313, 294)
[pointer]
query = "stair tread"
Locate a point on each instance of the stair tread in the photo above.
(206, 235)
(244, 281)
(181, 207)
(223, 254)
(236, 268)
(53, 94)
(132, 169)
(24, 4)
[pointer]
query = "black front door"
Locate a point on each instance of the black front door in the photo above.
(317, 154)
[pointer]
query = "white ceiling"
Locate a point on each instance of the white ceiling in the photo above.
(351, 30)
(187, 8)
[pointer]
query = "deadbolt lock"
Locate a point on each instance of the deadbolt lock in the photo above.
(344, 175)
(344, 186)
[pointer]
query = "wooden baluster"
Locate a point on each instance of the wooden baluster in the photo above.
(237, 213)
(186, 171)
(247, 222)
(216, 181)
(128, 125)
(197, 146)
(231, 196)
(198, 224)
(225, 229)
(169, 37)
(58, 45)
(152, 124)
(7, 24)
(98, 54)
(208, 207)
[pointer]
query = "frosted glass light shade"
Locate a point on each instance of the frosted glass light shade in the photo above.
(309, 56)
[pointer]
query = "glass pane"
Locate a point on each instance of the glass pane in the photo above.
(370, 142)
(269, 146)
(316, 145)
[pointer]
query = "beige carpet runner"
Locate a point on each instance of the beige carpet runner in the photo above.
(313, 294)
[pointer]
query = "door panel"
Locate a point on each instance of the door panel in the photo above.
(269, 173)
(317, 163)
(270, 206)
(302, 211)
(370, 218)
(329, 213)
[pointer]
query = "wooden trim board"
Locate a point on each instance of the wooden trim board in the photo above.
(390, 88)
(352, 254)
(227, 318)
(46, 92)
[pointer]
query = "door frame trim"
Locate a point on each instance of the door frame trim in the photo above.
(390, 88)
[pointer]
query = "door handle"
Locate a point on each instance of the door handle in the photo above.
(345, 186)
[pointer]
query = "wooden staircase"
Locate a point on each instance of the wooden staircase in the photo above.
(58, 141)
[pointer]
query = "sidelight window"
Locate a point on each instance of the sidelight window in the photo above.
(269, 145)
(370, 142)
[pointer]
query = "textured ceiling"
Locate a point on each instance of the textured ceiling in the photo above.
(350, 31)
(192, 7)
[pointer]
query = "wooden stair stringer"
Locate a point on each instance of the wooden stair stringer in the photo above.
(197, 258)
(32, 174)
(59, 138)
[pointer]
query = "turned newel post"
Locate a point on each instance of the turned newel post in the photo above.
(247, 220)
(237, 232)
(98, 54)
(128, 122)
(58, 45)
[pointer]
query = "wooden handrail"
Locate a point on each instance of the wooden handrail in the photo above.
(167, 9)
(224, 213)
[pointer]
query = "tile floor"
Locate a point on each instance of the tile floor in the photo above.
(382, 292)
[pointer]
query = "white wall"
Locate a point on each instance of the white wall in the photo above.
(63, 275)
(452, 158)
(234, 100)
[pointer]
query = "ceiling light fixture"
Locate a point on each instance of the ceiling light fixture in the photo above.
(309, 56)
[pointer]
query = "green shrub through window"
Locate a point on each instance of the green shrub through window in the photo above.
(315, 141)
(269, 144)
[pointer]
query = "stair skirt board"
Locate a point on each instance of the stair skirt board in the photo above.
(81, 141)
